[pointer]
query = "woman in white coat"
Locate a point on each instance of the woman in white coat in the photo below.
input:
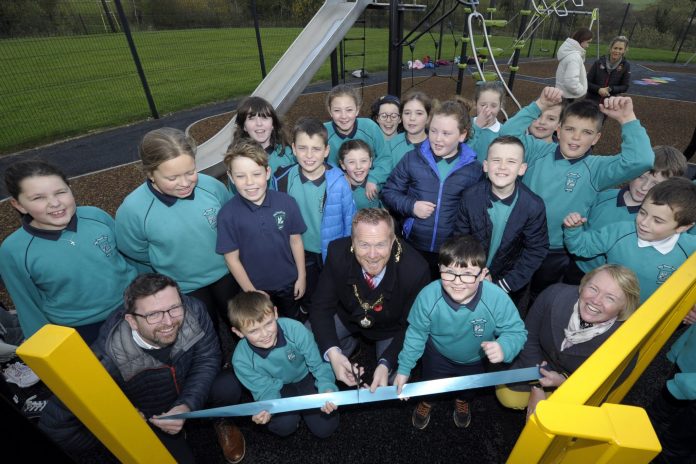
(571, 75)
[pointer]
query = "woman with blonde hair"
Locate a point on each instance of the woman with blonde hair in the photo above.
(566, 325)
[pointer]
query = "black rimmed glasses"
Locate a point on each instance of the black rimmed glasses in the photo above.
(157, 316)
(388, 116)
(449, 276)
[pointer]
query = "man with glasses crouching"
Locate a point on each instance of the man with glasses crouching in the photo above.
(163, 353)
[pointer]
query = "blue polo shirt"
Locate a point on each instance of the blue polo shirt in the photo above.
(262, 233)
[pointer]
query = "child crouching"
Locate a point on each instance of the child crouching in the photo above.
(278, 358)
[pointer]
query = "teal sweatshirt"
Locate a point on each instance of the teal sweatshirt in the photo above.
(568, 186)
(361, 200)
(177, 240)
(608, 208)
(72, 277)
(264, 372)
(457, 333)
(683, 354)
(480, 139)
(369, 132)
(398, 147)
(280, 157)
(619, 242)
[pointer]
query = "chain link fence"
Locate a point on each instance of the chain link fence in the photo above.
(68, 67)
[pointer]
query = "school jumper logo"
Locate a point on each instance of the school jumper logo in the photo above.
(291, 355)
(280, 219)
(104, 245)
(663, 273)
(211, 215)
(571, 180)
(478, 326)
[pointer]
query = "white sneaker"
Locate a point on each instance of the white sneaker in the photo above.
(20, 374)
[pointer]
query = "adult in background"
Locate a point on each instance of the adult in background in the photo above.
(366, 289)
(566, 325)
(571, 76)
(611, 74)
(164, 355)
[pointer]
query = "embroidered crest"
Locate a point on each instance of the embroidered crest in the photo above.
(211, 215)
(571, 180)
(478, 326)
(664, 271)
(280, 219)
(104, 245)
(291, 355)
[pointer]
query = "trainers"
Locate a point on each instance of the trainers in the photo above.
(231, 441)
(421, 415)
(20, 374)
(461, 414)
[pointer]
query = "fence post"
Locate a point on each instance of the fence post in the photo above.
(136, 58)
(623, 21)
(686, 32)
(107, 13)
(255, 15)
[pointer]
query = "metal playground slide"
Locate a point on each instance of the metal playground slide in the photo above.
(291, 74)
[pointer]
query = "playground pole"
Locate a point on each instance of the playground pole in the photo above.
(396, 32)
(686, 32)
(442, 32)
(558, 37)
(262, 62)
(516, 54)
(463, 60)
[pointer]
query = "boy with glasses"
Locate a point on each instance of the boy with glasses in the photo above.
(456, 323)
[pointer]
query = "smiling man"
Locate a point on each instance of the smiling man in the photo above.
(163, 353)
(366, 289)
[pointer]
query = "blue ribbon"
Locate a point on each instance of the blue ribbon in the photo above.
(342, 398)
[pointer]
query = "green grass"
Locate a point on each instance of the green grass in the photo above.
(53, 88)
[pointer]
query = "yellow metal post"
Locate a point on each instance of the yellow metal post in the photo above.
(611, 433)
(63, 361)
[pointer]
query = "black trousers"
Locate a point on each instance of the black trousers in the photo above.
(436, 366)
(215, 296)
(674, 421)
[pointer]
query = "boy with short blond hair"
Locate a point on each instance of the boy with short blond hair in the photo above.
(654, 245)
(259, 231)
(565, 175)
(278, 358)
(506, 217)
(455, 323)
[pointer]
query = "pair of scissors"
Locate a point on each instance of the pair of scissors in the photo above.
(358, 380)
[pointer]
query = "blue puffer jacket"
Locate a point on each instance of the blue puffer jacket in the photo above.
(416, 178)
(339, 206)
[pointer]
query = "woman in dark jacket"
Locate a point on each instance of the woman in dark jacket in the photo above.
(566, 325)
(611, 74)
